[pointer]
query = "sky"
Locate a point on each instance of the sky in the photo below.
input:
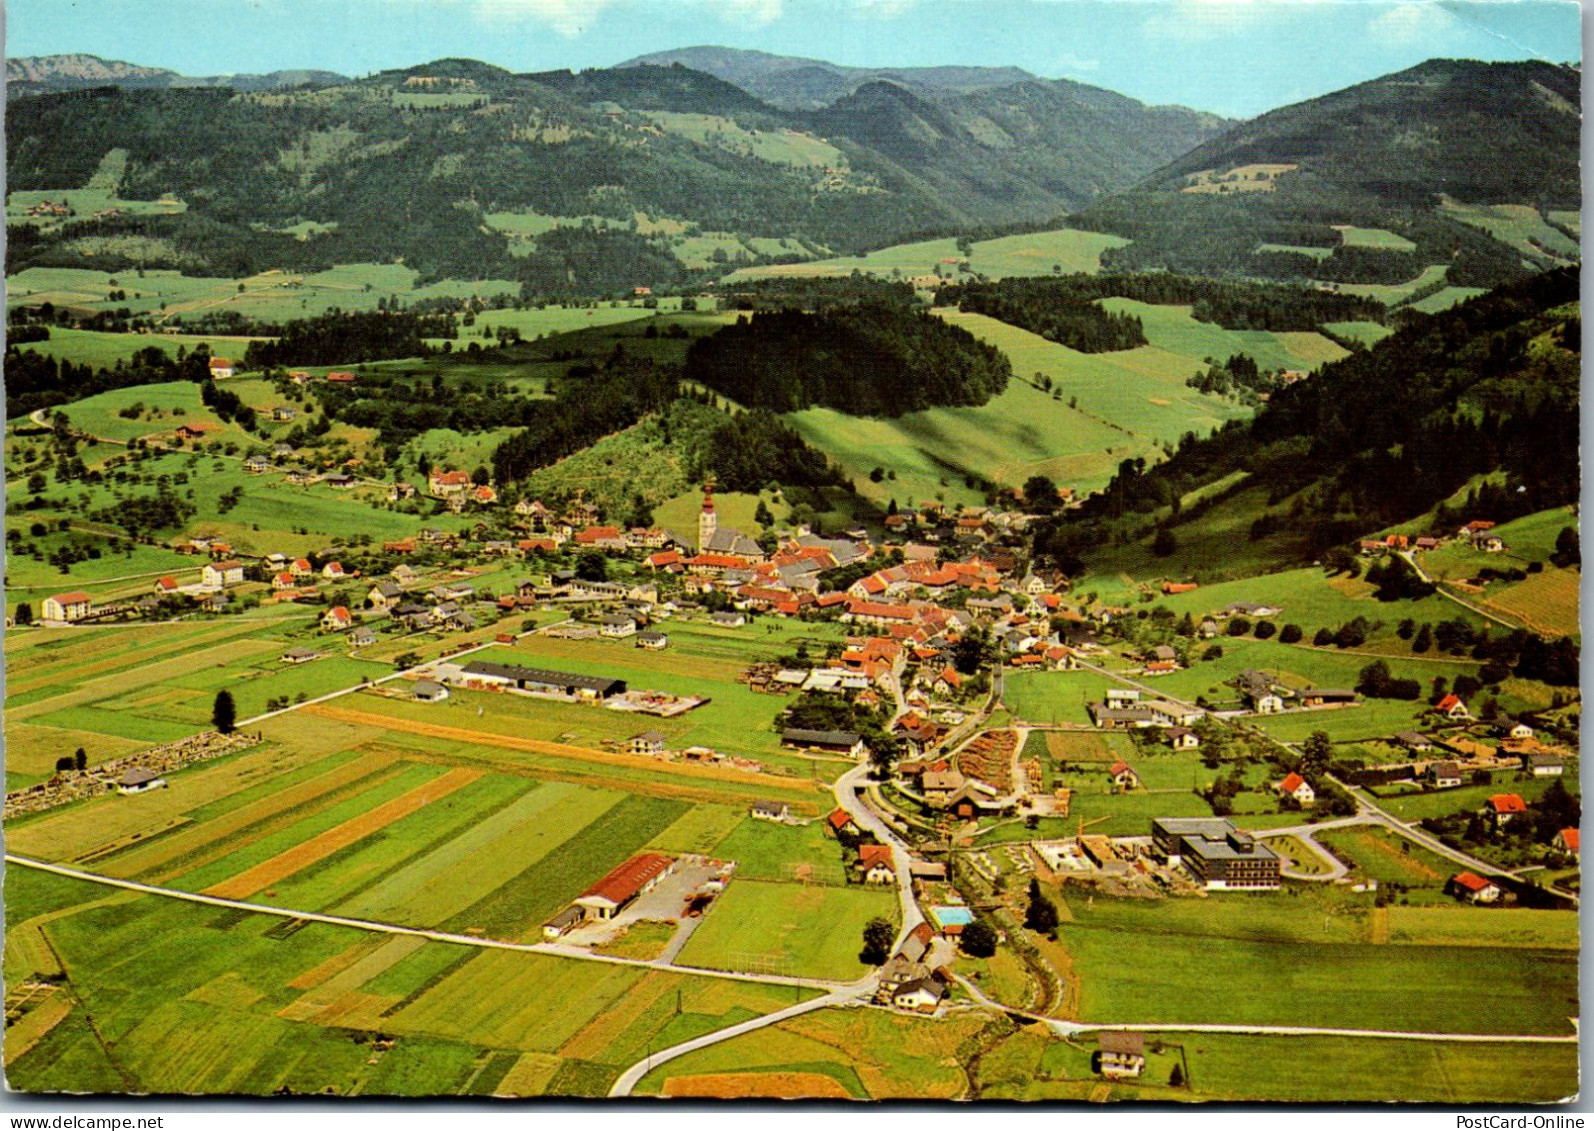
(1233, 57)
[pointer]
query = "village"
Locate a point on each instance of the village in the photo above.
(901, 663)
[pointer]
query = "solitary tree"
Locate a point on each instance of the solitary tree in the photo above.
(878, 935)
(24, 613)
(1164, 543)
(224, 714)
(80, 760)
(979, 939)
(1041, 914)
(1176, 1077)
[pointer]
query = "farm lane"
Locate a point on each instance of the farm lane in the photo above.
(848, 797)
(1411, 560)
(556, 949)
(633, 1075)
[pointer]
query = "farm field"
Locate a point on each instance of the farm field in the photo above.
(1142, 391)
(1519, 225)
(1280, 966)
(1035, 253)
(931, 455)
(103, 350)
(865, 1053)
(1378, 239)
(1368, 333)
(783, 147)
(1228, 1067)
(1471, 798)
(1394, 294)
(1049, 698)
(1379, 854)
(1445, 298)
(1308, 598)
(272, 296)
(806, 930)
(206, 1002)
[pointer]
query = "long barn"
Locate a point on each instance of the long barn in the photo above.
(545, 679)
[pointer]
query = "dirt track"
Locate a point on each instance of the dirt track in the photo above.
(760, 782)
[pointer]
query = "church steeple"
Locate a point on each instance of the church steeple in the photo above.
(707, 521)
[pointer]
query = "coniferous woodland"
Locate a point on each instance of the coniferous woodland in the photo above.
(867, 360)
(348, 338)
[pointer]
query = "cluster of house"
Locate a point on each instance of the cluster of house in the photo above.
(916, 977)
(1128, 708)
(1479, 534)
(1262, 694)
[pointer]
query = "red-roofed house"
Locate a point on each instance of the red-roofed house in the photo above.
(1451, 707)
(165, 585)
(301, 567)
(1504, 808)
(1169, 588)
(1567, 841)
(220, 368)
(283, 581)
(443, 484)
(1299, 788)
(841, 821)
(612, 893)
(68, 606)
(874, 860)
(603, 537)
(1473, 888)
(669, 560)
(1123, 775)
(341, 378)
(949, 682)
(337, 619)
(332, 570)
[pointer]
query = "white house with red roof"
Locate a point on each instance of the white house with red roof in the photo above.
(1299, 788)
(67, 606)
(1503, 808)
(332, 571)
(1473, 888)
(1452, 707)
(1567, 841)
(1123, 775)
(165, 586)
(337, 619)
(284, 580)
(444, 484)
(874, 860)
(222, 573)
(220, 368)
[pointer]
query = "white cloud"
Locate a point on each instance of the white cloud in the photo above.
(1211, 19)
(1412, 23)
(1073, 63)
(569, 18)
(747, 13)
(883, 9)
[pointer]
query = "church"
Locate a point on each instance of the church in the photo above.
(712, 538)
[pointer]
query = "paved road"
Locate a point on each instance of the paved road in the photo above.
(631, 1076)
(846, 791)
(563, 951)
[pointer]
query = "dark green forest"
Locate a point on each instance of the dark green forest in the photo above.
(867, 360)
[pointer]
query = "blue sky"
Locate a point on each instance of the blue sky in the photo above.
(1235, 57)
